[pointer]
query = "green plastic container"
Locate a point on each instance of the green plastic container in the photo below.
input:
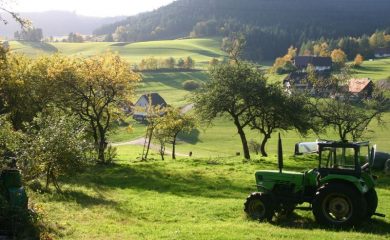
(18, 197)
(11, 178)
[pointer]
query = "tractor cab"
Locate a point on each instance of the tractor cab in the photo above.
(344, 158)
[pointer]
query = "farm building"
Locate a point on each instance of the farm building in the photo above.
(145, 102)
(319, 63)
(361, 87)
(298, 80)
(382, 52)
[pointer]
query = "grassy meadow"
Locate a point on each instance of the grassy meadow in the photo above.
(377, 69)
(201, 50)
(189, 198)
(183, 199)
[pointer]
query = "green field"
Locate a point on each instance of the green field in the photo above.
(221, 139)
(377, 69)
(201, 50)
(191, 198)
(183, 199)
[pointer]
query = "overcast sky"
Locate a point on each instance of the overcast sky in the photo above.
(101, 8)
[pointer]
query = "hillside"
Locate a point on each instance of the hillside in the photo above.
(274, 24)
(201, 50)
(57, 23)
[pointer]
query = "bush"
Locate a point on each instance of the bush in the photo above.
(191, 85)
(55, 144)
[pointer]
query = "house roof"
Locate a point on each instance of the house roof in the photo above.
(155, 98)
(357, 85)
(298, 76)
(304, 61)
(382, 51)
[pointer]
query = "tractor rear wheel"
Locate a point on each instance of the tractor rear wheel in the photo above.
(372, 203)
(258, 206)
(338, 205)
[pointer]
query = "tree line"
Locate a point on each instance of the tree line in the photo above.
(269, 26)
(341, 50)
(153, 64)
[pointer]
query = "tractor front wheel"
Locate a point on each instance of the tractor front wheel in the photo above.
(338, 205)
(258, 206)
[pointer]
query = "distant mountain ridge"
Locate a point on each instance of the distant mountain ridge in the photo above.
(58, 23)
(280, 23)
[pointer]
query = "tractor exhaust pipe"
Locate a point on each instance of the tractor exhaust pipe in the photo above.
(280, 154)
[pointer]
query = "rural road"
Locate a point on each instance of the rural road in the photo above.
(187, 108)
(141, 141)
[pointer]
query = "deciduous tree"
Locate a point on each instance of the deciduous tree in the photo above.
(228, 93)
(338, 58)
(358, 60)
(94, 88)
(172, 123)
(279, 111)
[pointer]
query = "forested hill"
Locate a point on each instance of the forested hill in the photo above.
(275, 23)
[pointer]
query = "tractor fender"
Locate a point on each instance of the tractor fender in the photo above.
(359, 185)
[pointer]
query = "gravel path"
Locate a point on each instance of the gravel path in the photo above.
(141, 141)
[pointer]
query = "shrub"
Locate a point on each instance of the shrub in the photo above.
(191, 85)
(54, 145)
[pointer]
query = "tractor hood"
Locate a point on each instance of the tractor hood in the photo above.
(267, 179)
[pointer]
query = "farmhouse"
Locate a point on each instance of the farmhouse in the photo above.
(298, 80)
(145, 102)
(319, 63)
(382, 52)
(361, 87)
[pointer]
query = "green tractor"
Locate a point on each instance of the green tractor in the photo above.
(341, 191)
(13, 202)
(12, 191)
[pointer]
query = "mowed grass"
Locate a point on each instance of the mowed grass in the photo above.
(377, 69)
(170, 85)
(191, 198)
(183, 199)
(221, 138)
(201, 50)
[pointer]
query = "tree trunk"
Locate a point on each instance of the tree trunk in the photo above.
(48, 177)
(102, 146)
(174, 147)
(162, 150)
(263, 143)
(148, 146)
(244, 142)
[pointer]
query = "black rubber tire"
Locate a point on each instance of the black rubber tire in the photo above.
(339, 205)
(387, 166)
(372, 203)
(259, 206)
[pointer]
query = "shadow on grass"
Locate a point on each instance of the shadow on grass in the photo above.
(152, 177)
(372, 226)
(82, 198)
(195, 51)
(120, 44)
(41, 46)
(369, 68)
(174, 79)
